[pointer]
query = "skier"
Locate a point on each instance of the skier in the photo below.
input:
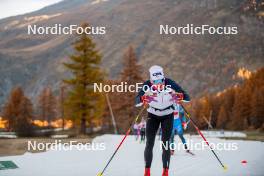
(160, 95)
(142, 126)
(136, 131)
(179, 125)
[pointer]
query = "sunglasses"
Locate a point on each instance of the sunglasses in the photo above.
(158, 81)
(157, 74)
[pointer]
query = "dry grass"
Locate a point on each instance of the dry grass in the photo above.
(18, 146)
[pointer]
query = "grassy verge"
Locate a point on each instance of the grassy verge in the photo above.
(19, 146)
(251, 135)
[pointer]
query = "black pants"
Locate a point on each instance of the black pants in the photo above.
(142, 134)
(153, 123)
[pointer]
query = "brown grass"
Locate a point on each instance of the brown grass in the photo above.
(18, 146)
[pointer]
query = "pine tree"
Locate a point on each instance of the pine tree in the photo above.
(85, 104)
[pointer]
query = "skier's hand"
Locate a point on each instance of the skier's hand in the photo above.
(177, 97)
(184, 125)
(146, 99)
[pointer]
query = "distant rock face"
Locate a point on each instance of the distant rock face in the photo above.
(201, 63)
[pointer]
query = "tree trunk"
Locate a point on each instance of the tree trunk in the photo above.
(83, 125)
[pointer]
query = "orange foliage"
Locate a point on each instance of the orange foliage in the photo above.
(3, 123)
(55, 123)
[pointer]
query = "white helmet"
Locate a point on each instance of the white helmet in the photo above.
(156, 73)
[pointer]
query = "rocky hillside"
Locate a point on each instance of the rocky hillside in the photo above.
(199, 62)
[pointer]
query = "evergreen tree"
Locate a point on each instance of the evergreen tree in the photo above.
(85, 104)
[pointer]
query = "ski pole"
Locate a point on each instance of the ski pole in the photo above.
(119, 145)
(201, 134)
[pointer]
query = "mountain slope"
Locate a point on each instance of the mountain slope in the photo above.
(199, 63)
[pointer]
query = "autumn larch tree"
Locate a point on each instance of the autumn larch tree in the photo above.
(47, 105)
(11, 111)
(132, 74)
(239, 107)
(23, 125)
(85, 104)
(19, 113)
(241, 110)
(257, 105)
(222, 118)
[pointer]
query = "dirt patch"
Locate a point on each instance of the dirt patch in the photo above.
(19, 146)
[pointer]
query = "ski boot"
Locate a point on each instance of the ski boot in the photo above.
(165, 172)
(147, 172)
